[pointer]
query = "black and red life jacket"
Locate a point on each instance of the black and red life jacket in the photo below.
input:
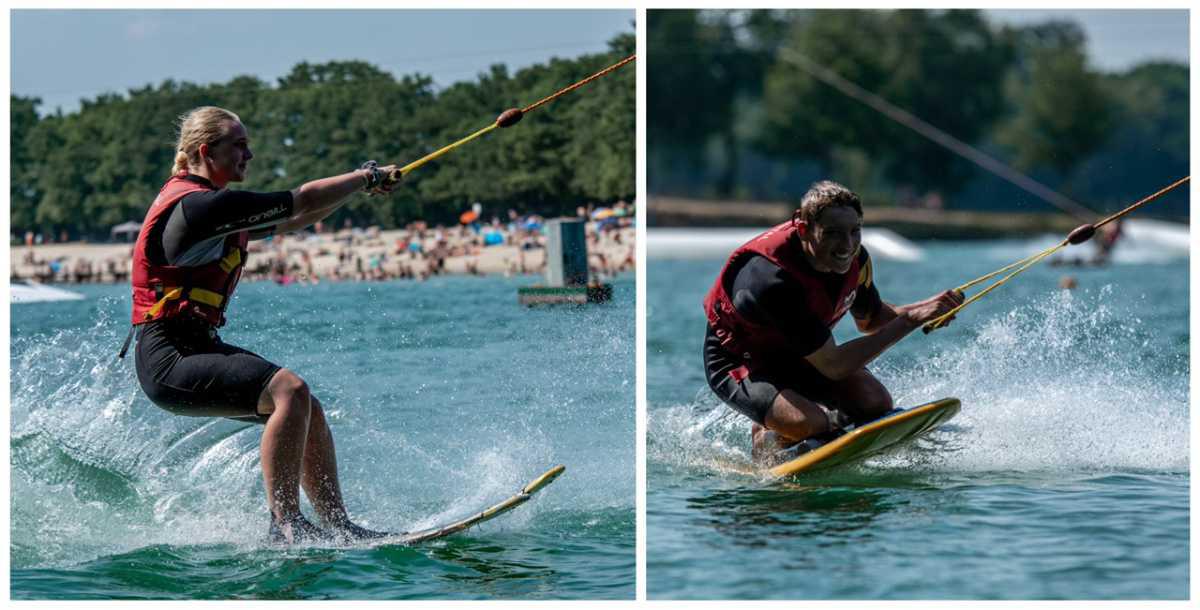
(167, 291)
(751, 340)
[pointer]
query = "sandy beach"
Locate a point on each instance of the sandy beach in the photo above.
(415, 252)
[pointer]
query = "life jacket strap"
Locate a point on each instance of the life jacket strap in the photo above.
(128, 338)
(231, 260)
(200, 295)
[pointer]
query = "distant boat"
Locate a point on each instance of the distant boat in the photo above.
(718, 243)
(29, 291)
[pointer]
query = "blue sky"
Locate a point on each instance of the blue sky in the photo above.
(62, 56)
(1118, 39)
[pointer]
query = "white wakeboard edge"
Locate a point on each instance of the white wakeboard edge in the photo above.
(486, 514)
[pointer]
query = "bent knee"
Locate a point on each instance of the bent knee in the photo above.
(288, 392)
(874, 402)
(795, 417)
(287, 383)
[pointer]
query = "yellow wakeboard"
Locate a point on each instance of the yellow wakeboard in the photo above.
(486, 514)
(871, 438)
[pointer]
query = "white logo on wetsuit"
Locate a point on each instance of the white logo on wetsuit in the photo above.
(266, 215)
(848, 301)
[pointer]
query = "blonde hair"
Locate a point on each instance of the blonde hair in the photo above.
(203, 125)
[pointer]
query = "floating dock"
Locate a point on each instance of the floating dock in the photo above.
(566, 269)
(559, 295)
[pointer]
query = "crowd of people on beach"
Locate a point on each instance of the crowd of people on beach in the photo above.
(512, 245)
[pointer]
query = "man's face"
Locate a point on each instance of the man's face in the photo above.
(833, 239)
(230, 155)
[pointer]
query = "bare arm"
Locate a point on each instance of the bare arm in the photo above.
(886, 313)
(838, 361)
(317, 199)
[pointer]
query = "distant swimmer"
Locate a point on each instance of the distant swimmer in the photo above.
(1106, 239)
(769, 352)
(186, 263)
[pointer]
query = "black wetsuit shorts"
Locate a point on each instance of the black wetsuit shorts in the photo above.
(185, 368)
(754, 394)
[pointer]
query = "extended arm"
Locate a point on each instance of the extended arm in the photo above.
(838, 361)
(315, 200)
(882, 316)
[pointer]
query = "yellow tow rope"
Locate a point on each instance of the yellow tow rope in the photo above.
(1081, 234)
(507, 118)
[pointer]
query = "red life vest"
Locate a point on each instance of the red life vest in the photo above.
(167, 291)
(752, 340)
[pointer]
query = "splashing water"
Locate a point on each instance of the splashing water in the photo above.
(436, 414)
(1063, 383)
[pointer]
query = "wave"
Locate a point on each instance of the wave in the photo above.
(98, 471)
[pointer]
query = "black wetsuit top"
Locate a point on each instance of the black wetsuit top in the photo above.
(182, 365)
(764, 293)
(194, 233)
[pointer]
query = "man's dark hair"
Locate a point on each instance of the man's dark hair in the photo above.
(823, 195)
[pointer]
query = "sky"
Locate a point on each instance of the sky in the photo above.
(1118, 39)
(62, 56)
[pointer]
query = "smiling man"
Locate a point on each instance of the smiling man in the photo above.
(769, 351)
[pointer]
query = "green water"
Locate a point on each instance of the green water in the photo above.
(1065, 476)
(444, 397)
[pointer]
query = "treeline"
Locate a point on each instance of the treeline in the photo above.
(734, 113)
(86, 171)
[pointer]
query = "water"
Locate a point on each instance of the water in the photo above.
(1065, 476)
(444, 397)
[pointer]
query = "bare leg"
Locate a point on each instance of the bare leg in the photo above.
(320, 476)
(793, 417)
(861, 396)
(297, 449)
(286, 400)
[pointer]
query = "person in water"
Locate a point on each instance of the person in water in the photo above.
(187, 261)
(769, 352)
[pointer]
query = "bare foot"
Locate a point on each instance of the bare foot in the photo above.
(296, 530)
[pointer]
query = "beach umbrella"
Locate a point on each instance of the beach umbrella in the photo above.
(131, 228)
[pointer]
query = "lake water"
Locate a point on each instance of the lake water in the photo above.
(444, 397)
(1065, 475)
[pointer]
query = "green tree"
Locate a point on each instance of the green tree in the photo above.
(88, 170)
(691, 85)
(946, 67)
(23, 167)
(1063, 112)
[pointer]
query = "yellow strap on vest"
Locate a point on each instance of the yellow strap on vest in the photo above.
(865, 275)
(207, 297)
(169, 295)
(231, 261)
(200, 295)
